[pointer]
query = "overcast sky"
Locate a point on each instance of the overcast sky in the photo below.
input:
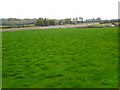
(59, 9)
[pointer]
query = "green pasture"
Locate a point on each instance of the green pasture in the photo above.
(60, 58)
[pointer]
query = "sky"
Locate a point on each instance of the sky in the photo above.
(59, 9)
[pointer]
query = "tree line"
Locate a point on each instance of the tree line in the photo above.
(48, 22)
(28, 22)
(14, 22)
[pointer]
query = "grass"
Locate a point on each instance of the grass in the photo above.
(61, 58)
(0, 60)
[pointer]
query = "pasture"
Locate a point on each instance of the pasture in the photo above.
(60, 58)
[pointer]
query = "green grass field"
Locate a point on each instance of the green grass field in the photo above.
(60, 58)
(0, 60)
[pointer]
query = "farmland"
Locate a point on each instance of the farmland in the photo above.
(0, 60)
(60, 58)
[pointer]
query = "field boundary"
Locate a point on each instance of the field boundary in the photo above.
(48, 27)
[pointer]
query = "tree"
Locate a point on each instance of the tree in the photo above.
(67, 21)
(52, 22)
(60, 22)
(39, 22)
(81, 19)
(98, 19)
(46, 22)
